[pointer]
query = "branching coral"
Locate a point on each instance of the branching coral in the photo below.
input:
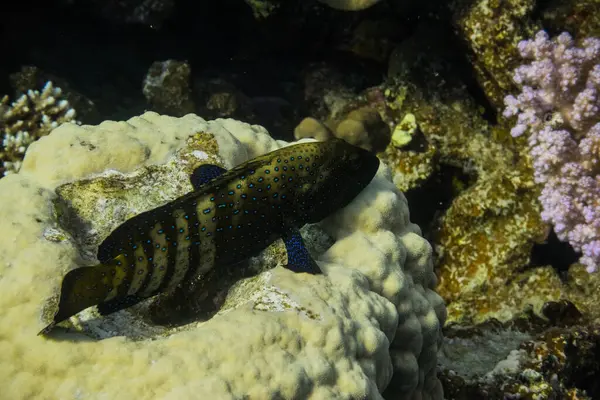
(30, 117)
(559, 108)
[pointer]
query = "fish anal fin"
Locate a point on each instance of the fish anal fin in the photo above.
(205, 173)
(118, 304)
(299, 259)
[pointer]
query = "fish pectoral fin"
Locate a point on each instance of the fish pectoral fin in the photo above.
(205, 173)
(118, 304)
(299, 259)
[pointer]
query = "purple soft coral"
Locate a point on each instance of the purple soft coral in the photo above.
(559, 106)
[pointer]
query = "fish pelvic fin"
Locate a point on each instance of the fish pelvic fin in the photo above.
(82, 288)
(299, 259)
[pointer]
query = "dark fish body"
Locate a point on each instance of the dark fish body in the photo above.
(230, 216)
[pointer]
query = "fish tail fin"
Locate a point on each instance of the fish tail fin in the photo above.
(82, 288)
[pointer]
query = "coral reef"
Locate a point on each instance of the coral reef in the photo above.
(373, 313)
(581, 18)
(326, 91)
(362, 127)
(521, 360)
(485, 236)
(27, 119)
(491, 30)
(262, 8)
(167, 88)
(350, 5)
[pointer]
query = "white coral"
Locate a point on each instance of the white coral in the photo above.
(28, 118)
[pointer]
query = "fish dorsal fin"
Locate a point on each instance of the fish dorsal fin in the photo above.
(204, 174)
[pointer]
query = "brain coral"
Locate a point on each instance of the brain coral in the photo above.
(282, 335)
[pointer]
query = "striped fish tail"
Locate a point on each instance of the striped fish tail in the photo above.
(85, 287)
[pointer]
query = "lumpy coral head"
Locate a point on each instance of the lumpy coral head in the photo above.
(278, 334)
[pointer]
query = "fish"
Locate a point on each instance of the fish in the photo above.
(229, 216)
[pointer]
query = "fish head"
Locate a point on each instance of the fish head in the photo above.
(343, 171)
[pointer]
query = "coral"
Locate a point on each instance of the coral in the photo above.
(167, 88)
(326, 91)
(222, 99)
(312, 128)
(30, 77)
(580, 17)
(521, 360)
(405, 131)
(278, 334)
(362, 127)
(485, 236)
(559, 110)
(27, 119)
(491, 29)
(350, 5)
(262, 8)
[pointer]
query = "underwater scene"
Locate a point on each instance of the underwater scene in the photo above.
(300, 199)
